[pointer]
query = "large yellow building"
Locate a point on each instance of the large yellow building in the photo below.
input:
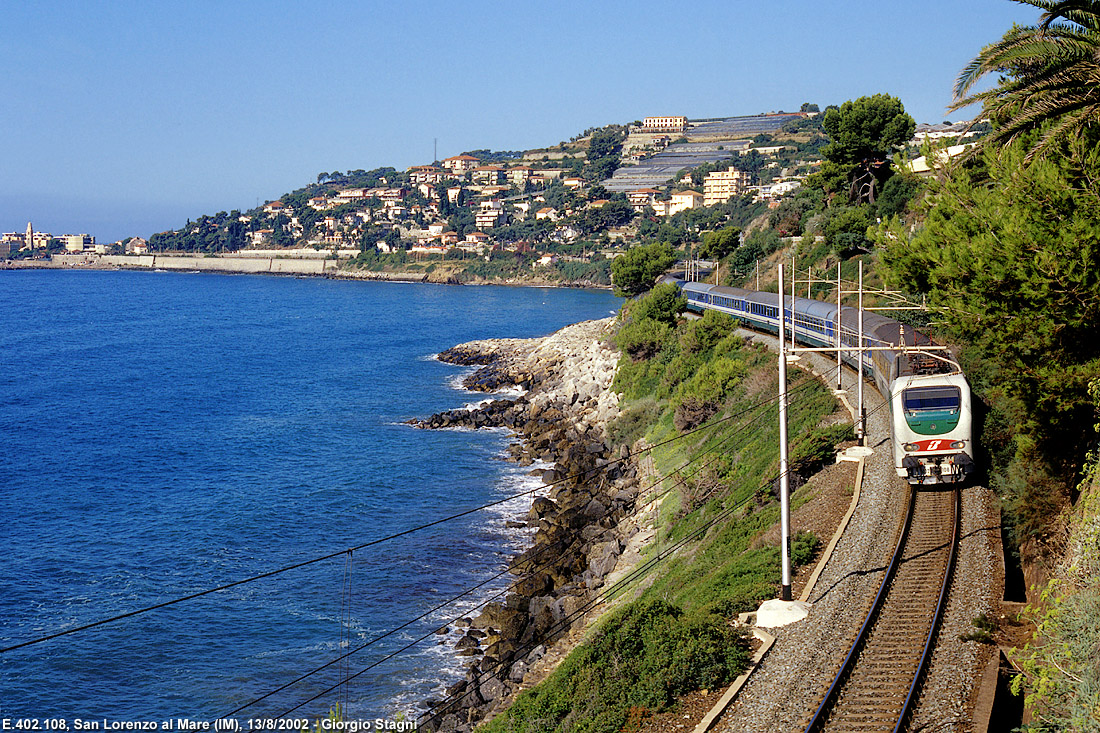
(664, 124)
(719, 186)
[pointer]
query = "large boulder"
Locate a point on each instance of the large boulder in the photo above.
(542, 506)
(603, 557)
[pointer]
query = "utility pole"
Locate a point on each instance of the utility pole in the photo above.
(839, 343)
(794, 279)
(784, 483)
(861, 432)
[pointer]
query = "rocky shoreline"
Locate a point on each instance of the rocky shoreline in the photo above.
(580, 528)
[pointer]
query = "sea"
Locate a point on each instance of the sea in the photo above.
(165, 434)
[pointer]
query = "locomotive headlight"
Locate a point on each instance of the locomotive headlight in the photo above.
(910, 447)
(958, 444)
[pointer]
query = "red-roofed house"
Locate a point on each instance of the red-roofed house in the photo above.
(642, 198)
(488, 175)
(682, 200)
(461, 163)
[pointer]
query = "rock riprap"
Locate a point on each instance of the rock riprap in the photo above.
(561, 418)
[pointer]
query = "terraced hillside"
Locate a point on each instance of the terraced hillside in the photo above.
(708, 141)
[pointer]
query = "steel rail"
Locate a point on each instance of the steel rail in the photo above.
(941, 607)
(831, 703)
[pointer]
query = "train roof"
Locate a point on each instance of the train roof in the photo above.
(877, 328)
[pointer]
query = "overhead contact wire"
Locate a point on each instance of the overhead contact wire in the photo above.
(338, 553)
(659, 480)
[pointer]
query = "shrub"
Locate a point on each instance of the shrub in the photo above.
(804, 546)
(635, 272)
(702, 335)
(643, 339)
(814, 450)
(642, 658)
(664, 303)
(680, 368)
(634, 421)
(984, 628)
(691, 413)
(636, 379)
(713, 381)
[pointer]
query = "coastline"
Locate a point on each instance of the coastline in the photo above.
(270, 265)
(584, 524)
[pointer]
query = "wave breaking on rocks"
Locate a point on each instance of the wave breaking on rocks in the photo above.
(562, 419)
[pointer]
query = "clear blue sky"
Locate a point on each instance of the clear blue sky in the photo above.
(129, 117)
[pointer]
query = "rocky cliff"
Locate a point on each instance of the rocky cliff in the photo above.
(581, 532)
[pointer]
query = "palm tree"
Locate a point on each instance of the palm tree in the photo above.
(1051, 76)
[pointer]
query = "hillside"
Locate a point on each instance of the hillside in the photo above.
(553, 215)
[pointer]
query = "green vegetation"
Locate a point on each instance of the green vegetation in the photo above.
(614, 213)
(721, 243)
(1048, 83)
(1060, 677)
(604, 148)
(641, 658)
(222, 232)
(983, 629)
(637, 270)
(863, 134)
(717, 493)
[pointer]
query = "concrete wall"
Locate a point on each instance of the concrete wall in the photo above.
(217, 264)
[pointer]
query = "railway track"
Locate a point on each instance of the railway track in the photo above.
(878, 684)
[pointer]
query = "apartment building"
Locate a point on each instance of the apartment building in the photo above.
(719, 186)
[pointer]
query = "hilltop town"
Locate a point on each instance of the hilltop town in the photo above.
(556, 214)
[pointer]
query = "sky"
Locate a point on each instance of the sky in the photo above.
(131, 117)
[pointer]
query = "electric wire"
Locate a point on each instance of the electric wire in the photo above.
(344, 657)
(447, 706)
(349, 551)
(613, 590)
(380, 540)
(338, 553)
(566, 621)
(523, 560)
(681, 478)
(622, 583)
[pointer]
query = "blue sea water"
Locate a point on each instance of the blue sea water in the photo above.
(167, 433)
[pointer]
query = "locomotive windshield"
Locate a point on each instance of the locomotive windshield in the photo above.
(928, 399)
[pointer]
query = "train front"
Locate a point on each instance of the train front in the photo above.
(932, 428)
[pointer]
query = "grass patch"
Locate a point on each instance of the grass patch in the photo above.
(639, 660)
(720, 490)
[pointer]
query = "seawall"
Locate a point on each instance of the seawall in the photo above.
(317, 266)
(211, 264)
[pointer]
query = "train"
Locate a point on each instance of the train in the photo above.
(928, 395)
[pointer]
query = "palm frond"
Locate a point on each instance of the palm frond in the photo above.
(1050, 76)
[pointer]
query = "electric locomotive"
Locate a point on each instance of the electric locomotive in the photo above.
(928, 395)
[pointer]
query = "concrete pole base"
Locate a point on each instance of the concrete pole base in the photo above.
(775, 613)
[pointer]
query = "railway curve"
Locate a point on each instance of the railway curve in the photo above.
(877, 685)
